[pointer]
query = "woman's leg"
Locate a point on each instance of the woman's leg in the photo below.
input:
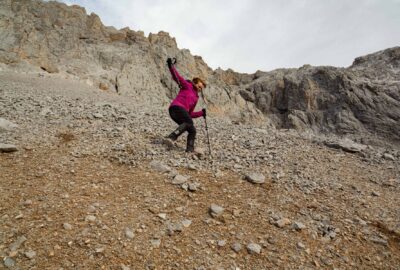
(185, 122)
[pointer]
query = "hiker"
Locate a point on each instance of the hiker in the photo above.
(181, 108)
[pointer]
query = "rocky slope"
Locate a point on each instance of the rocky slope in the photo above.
(88, 182)
(93, 185)
(361, 102)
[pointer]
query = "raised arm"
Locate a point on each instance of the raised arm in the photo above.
(175, 75)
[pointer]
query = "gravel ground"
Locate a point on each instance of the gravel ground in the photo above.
(94, 186)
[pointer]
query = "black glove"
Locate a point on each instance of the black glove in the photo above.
(169, 62)
(204, 113)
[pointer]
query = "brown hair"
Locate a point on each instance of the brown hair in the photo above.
(197, 80)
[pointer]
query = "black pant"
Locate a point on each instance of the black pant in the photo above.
(180, 116)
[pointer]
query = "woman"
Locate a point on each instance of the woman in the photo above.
(181, 108)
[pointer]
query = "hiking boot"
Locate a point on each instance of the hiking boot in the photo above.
(177, 132)
(190, 145)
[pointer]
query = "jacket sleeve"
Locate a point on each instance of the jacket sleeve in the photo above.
(177, 77)
(196, 114)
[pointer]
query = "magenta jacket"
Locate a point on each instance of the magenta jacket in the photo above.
(187, 97)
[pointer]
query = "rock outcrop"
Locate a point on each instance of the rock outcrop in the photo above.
(361, 101)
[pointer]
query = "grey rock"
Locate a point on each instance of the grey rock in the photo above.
(30, 254)
(98, 115)
(375, 194)
(156, 243)
(389, 156)
(129, 233)
(9, 262)
(255, 178)
(159, 167)
(174, 227)
(253, 248)
(186, 223)
(99, 250)
(361, 221)
(237, 247)
(67, 226)
(16, 245)
(298, 226)
(6, 125)
(27, 203)
(7, 148)
(193, 186)
(346, 145)
(90, 218)
(163, 216)
(185, 186)
(379, 240)
(301, 245)
(283, 222)
(221, 243)
(179, 179)
(216, 210)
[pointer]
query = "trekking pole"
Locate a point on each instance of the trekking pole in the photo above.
(208, 138)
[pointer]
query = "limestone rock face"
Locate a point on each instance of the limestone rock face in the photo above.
(359, 100)
(64, 39)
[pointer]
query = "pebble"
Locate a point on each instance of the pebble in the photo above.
(91, 209)
(361, 221)
(6, 125)
(98, 115)
(379, 240)
(255, 178)
(216, 210)
(253, 248)
(179, 179)
(8, 148)
(298, 226)
(186, 223)
(159, 167)
(67, 226)
(193, 186)
(237, 247)
(30, 254)
(9, 262)
(15, 246)
(163, 216)
(90, 218)
(283, 222)
(389, 157)
(99, 250)
(27, 203)
(156, 243)
(375, 194)
(301, 245)
(129, 233)
(172, 228)
(221, 243)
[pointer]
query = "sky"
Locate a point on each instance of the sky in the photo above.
(251, 35)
